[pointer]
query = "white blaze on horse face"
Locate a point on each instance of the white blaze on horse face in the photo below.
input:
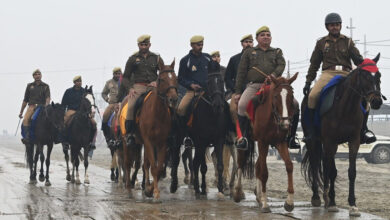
(90, 99)
(170, 75)
(283, 94)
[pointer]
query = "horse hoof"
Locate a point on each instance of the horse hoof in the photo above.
(68, 178)
(220, 196)
(265, 209)
(78, 182)
(288, 207)
(333, 209)
(86, 182)
(47, 183)
(173, 188)
(33, 182)
(237, 196)
(186, 180)
(316, 202)
(112, 177)
(156, 200)
(226, 192)
(354, 211)
(148, 193)
(41, 178)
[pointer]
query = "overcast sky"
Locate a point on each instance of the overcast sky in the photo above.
(91, 37)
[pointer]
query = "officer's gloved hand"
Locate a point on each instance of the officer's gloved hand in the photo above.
(306, 89)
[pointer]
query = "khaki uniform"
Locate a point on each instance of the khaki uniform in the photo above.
(185, 101)
(335, 56)
(270, 61)
(110, 95)
(34, 95)
(140, 71)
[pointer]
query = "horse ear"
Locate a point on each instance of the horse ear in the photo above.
(52, 104)
(90, 88)
(86, 87)
(377, 58)
(160, 64)
(173, 63)
(292, 79)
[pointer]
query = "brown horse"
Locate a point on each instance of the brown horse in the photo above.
(271, 125)
(341, 123)
(155, 119)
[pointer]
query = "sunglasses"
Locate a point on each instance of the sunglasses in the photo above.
(199, 44)
(248, 41)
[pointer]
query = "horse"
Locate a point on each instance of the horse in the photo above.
(341, 123)
(274, 110)
(210, 125)
(81, 131)
(115, 146)
(48, 124)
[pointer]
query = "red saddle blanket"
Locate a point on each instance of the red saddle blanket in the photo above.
(250, 108)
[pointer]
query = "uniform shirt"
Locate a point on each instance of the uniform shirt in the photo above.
(36, 93)
(110, 91)
(123, 89)
(231, 71)
(72, 98)
(332, 53)
(270, 61)
(194, 69)
(140, 69)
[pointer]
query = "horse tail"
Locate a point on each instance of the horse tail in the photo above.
(248, 166)
(311, 167)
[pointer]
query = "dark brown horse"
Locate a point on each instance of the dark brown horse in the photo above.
(271, 125)
(341, 123)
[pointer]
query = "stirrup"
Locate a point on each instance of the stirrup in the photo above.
(368, 139)
(187, 142)
(242, 143)
(293, 143)
(130, 140)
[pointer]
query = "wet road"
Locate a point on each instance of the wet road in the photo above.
(103, 199)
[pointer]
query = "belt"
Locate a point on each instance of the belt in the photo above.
(339, 68)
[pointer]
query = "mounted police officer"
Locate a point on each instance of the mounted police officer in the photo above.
(193, 73)
(71, 101)
(270, 61)
(37, 93)
(110, 95)
(216, 57)
(141, 72)
(335, 51)
(232, 67)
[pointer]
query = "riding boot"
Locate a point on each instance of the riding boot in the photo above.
(130, 130)
(242, 142)
(292, 143)
(27, 133)
(187, 142)
(310, 130)
(106, 131)
(364, 137)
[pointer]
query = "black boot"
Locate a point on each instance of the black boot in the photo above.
(364, 137)
(106, 130)
(292, 143)
(310, 130)
(130, 130)
(187, 141)
(242, 143)
(27, 133)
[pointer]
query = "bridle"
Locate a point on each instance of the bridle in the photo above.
(214, 93)
(277, 117)
(359, 92)
(163, 95)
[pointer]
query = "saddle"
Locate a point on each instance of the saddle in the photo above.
(258, 99)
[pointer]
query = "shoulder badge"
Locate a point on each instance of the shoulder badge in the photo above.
(254, 52)
(32, 86)
(193, 68)
(137, 60)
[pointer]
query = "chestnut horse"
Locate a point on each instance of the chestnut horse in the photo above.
(271, 125)
(341, 123)
(155, 121)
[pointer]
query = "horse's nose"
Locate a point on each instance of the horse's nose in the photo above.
(376, 103)
(172, 101)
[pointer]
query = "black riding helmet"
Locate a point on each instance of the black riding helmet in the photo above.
(332, 18)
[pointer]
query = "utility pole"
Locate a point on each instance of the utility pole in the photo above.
(288, 69)
(351, 27)
(365, 47)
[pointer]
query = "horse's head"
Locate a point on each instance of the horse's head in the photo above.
(283, 100)
(369, 81)
(88, 101)
(215, 90)
(167, 84)
(55, 115)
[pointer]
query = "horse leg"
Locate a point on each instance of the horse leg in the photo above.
(315, 163)
(218, 148)
(191, 166)
(36, 157)
(137, 164)
(284, 154)
(203, 169)
(112, 176)
(49, 149)
(262, 177)
(147, 163)
(353, 149)
(42, 159)
(175, 154)
(214, 160)
(160, 166)
(233, 153)
(86, 178)
(66, 155)
(197, 160)
(73, 158)
(119, 163)
(226, 163)
(238, 193)
(30, 161)
(77, 163)
(186, 170)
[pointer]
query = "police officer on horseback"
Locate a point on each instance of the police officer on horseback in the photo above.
(269, 60)
(71, 101)
(141, 72)
(37, 93)
(110, 95)
(335, 51)
(193, 73)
